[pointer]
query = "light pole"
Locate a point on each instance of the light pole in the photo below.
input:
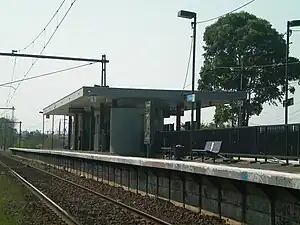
(293, 23)
(287, 103)
(43, 132)
(191, 15)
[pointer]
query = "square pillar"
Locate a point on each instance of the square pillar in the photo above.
(198, 115)
(92, 129)
(76, 131)
(70, 129)
(178, 117)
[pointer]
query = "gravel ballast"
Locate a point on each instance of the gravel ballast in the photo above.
(18, 206)
(85, 207)
(154, 206)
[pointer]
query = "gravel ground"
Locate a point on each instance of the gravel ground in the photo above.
(85, 207)
(19, 206)
(156, 207)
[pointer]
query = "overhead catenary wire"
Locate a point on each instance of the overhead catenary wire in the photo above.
(208, 20)
(234, 10)
(255, 66)
(12, 78)
(188, 65)
(43, 75)
(44, 29)
(43, 49)
(46, 74)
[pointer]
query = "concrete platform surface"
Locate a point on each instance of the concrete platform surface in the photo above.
(274, 165)
(266, 174)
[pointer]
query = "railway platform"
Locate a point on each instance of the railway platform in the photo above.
(245, 192)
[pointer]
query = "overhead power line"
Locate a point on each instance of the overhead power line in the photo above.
(47, 43)
(43, 30)
(255, 66)
(46, 74)
(12, 78)
(188, 65)
(234, 10)
(247, 67)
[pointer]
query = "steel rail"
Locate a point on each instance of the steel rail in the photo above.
(122, 205)
(40, 195)
(132, 209)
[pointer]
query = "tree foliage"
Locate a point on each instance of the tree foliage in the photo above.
(211, 125)
(223, 116)
(8, 133)
(236, 48)
(10, 136)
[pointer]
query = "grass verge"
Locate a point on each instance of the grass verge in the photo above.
(11, 200)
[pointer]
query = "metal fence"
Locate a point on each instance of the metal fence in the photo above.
(259, 140)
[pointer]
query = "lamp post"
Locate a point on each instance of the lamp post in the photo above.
(293, 23)
(191, 15)
(43, 132)
(287, 102)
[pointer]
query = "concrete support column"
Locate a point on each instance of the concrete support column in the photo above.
(80, 130)
(52, 133)
(178, 117)
(92, 129)
(103, 129)
(198, 115)
(84, 130)
(158, 120)
(126, 130)
(76, 131)
(99, 128)
(96, 131)
(70, 130)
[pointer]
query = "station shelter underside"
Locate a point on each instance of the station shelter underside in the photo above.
(112, 119)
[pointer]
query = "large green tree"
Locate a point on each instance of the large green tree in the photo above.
(8, 133)
(241, 48)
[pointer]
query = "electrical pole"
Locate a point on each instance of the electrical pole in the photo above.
(103, 71)
(20, 134)
(193, 16)
(103, 60)
(288, 102)
(240, 105)
(286, 86)
(286, 72)
(43, 141)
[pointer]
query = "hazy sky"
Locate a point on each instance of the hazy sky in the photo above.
(146, 43)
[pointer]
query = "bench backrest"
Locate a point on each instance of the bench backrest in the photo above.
(213, 146)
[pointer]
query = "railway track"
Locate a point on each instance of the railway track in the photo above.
(62, 214)
(14, 165)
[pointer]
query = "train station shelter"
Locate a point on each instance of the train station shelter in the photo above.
(108, 119)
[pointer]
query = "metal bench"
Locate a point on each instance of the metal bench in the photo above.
(211, 149)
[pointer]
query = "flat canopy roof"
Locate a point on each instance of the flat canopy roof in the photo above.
(86, 97)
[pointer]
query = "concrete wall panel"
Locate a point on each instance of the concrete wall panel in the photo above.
(249, 202)
(210, 197)
(176, 188)
(152, 183)
(142, 177)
